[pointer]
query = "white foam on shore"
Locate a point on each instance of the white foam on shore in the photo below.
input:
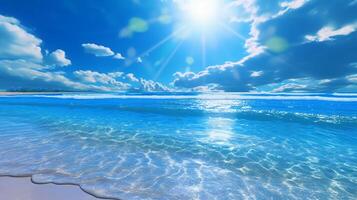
(219, 96)
(345, 94)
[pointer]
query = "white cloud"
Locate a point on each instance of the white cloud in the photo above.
(267, 21)
(259, 16)
(255, 15)
(132, 78)
(21, 61)
(118, 81)
(256, 73)
(139, 60)
(58, 58)
(207, 88)
(34, 74)
(352, 78)
(295, 4)
(99, 78)
(261, 68)
(97, 50)
(290, 5)
(22, 66)
(291, 87)
(119, 56)
(16, 42)
(152, 86)
(9, 20)
(250, 10)
(328, 33)
(246, 10)
(116, 74)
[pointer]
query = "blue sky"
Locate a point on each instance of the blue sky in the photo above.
(179, 45)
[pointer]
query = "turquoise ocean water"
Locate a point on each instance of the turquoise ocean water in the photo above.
(185, 146)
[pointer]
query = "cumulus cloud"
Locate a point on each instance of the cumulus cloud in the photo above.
(58, 58)
(102, 79)
(22, 66)
(21, 74)
(101, 51)
(21, 61)
(328, 33)
(151, 86)
(256, 73)
(97, 50)
(278, 50)
(118, 56)
(132, 78)
(118, 81)
(16, 42)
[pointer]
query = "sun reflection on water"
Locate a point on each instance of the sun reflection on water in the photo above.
(219, 105)
(219, 129)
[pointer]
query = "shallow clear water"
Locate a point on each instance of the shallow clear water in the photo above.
(213, 146)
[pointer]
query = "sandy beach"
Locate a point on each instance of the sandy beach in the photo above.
(23, 189)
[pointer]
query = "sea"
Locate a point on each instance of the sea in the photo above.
(163, 146)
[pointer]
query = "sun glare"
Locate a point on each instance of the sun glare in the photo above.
(201, 12)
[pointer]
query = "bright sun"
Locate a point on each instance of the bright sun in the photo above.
(201, 12)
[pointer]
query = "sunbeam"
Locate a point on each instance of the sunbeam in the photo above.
(163, 41)
(229, 29)
(203, 49)
(167, 61)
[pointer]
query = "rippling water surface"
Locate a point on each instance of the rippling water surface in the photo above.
(212, 146)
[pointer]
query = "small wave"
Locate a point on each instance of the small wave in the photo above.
(223, 96)
(192, 110)
(345, 94)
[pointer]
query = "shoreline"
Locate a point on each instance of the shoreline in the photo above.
(24, 188)
(31, 93)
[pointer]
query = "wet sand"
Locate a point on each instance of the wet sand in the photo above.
(13, 188)
(23, 189)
